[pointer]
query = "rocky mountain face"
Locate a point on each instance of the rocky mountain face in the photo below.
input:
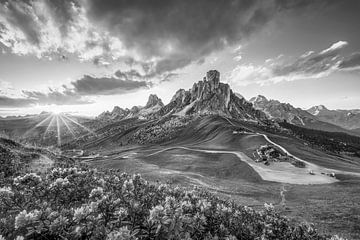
(282, 111)
(209, 97)
(277, 110)
(206, 97)
(154, 101)
(349, 119)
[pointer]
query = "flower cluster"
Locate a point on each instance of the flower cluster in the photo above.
(29, 179)
(83, 203)
(25, 218)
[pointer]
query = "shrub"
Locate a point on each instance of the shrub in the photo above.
(82, 203)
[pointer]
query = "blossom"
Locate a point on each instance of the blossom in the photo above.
(224, 209)
(156, 213)
(97, 193)
(269, 207)
(24, 218)
(84, 211)
(28, 179)
(122, 234)
(6, 192)
(59, 182)
(58, 223)
(128, 186)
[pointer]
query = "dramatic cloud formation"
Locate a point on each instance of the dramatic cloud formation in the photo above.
(308, 65)
(89, 85)
(159, 35)
(54, 28)
(78, 91)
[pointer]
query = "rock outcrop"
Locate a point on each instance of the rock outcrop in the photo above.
(210, 96)
(153, 101)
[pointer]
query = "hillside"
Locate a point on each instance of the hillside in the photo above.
(16, 158)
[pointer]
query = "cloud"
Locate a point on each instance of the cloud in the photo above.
(56, 97)
(351, 62)
(9, 102)
(89, 85)
(161, 35)
(48, 28)
(309, 65)
(78, 91)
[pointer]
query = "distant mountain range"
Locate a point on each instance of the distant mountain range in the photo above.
(318, 118)
(348, 119)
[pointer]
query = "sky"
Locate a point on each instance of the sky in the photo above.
(87, 56)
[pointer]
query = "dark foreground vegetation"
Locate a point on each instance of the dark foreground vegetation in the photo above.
(73, 201)
(329, 141)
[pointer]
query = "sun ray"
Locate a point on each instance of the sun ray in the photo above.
(38, 125)
(67, 126)
(80, 125)
(58, 130)
(49, 126)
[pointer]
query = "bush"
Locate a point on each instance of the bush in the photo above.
(82, 203)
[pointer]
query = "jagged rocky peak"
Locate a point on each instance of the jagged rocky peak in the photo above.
(210, 96)
(117, 109)
(154, 100)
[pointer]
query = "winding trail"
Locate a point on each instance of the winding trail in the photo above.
(310, 166)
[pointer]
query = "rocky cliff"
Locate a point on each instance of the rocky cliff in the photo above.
(210, 96)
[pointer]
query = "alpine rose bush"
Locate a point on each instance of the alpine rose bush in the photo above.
(83, 203)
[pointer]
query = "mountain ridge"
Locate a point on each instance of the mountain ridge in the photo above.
(348, 119)
(279, 111)
(206, 97)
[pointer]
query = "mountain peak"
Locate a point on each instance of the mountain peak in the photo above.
(210, 96)
(317, 109)
(213, 76)
(154, 100)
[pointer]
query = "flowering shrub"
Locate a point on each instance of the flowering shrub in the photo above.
(82, 203)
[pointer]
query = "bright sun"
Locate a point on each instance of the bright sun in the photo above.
(55, 110)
